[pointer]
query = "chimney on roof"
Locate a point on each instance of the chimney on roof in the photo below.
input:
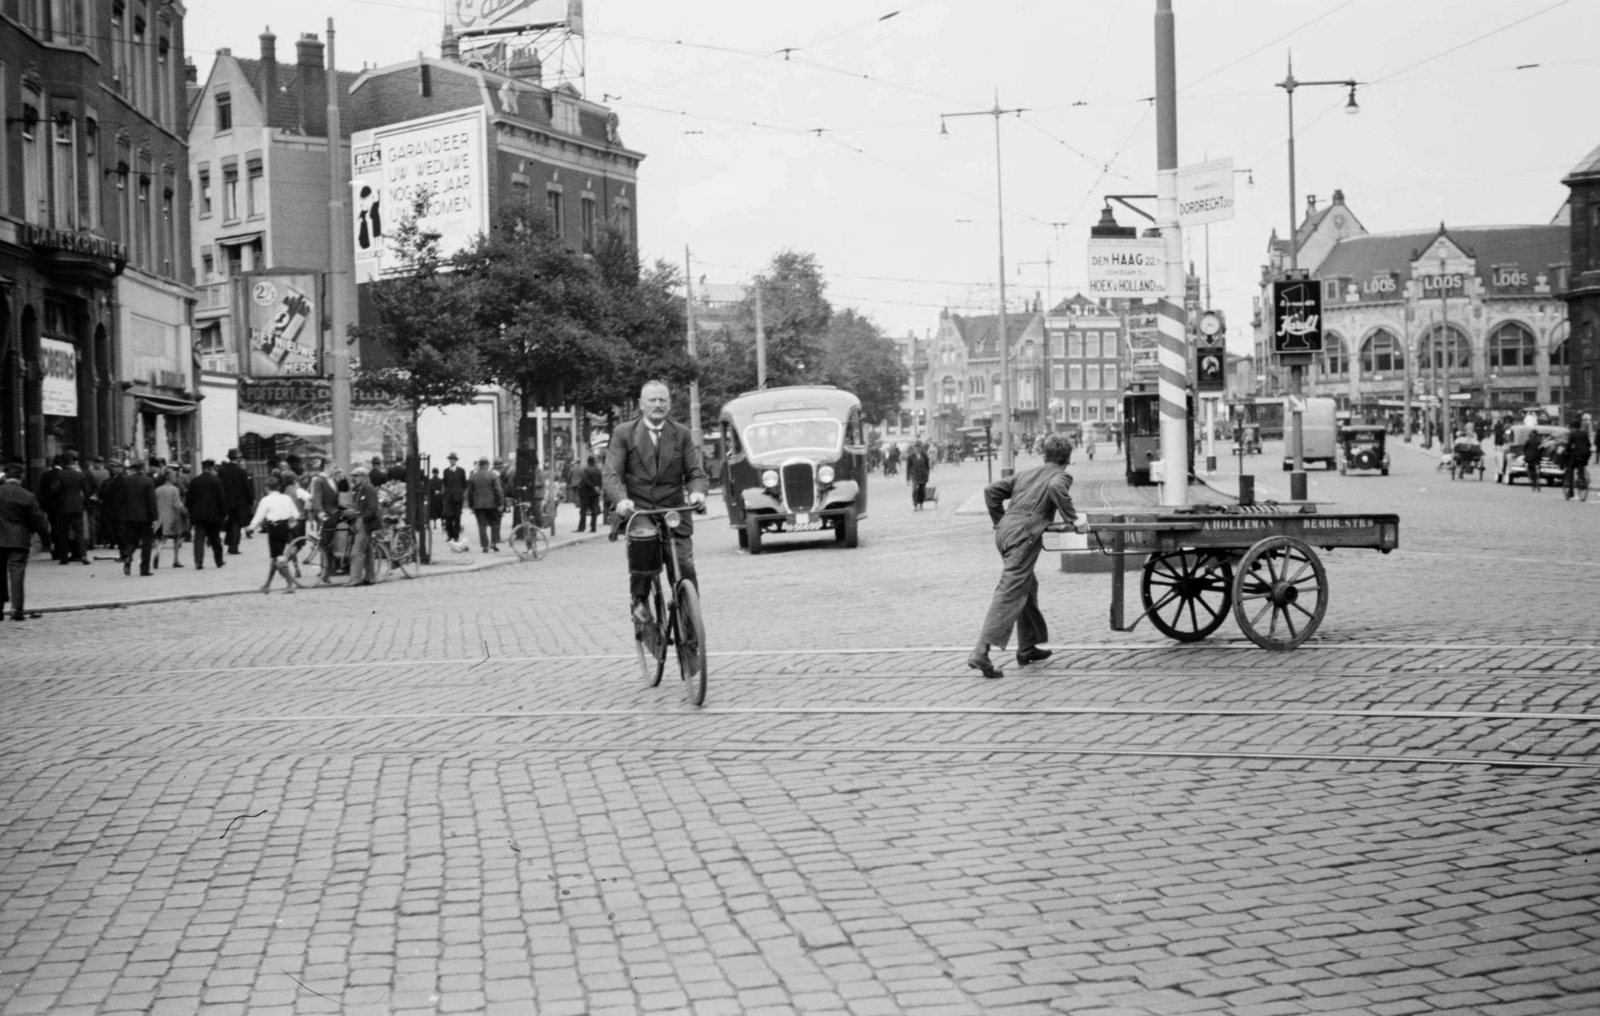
(1338, 197)
(1311, 205)
(191, 81)
(313, 85)
(525, 66)
(450, 46)
(269, 73)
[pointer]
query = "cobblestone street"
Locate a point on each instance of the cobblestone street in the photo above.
(456, 795)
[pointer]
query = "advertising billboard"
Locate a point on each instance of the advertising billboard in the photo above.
(1297, 317)
(281, 325)
(59, 388)
(508, 16)
(445, 156)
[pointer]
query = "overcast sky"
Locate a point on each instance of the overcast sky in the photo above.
(1454, 125)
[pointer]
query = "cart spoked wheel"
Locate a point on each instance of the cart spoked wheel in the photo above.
(1280, 593)
(1186, 594)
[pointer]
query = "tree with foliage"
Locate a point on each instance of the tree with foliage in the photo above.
(857, 356)
(646, 314)
(422, 322)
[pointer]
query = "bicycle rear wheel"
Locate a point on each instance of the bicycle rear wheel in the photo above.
(529, 541)
(405, 553)
(691, 640)
(651, 643)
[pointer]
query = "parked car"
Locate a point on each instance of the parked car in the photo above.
(1513, 468)
(796, 462)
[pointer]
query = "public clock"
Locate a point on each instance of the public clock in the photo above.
(1210, 323)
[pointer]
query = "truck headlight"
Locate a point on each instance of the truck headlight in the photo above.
(769, 478)
(825, 474)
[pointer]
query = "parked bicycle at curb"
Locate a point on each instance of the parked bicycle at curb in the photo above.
(314, 564)
(528, 540)
(676, 621)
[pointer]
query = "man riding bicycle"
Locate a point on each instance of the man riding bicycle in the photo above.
(649, 464)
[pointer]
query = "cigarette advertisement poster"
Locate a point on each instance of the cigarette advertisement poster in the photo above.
(282, 324)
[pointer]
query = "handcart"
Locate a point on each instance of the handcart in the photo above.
(1260, 561)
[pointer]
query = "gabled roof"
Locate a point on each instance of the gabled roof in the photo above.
(979, 332)
(1589, 165)
(1081, 302)
(284, 112)
(1532, 247)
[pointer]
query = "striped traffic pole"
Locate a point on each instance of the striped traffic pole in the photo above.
(1172, 353)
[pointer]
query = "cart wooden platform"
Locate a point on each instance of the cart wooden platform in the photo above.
(1259, 561)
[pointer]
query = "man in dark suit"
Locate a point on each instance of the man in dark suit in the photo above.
(20, 518)
(649, 464)
(47, 489)
(455, 498)
(139, 517)
(208, 512)
(72, 500)
(240, 492)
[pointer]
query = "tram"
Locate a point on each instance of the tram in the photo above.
(1141, 430)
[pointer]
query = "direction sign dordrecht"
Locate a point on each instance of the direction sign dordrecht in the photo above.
(1205, 193)
(1127, 266)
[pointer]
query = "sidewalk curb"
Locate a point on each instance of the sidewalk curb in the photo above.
(474, 566)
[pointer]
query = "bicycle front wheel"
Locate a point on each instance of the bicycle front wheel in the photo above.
(405, 554)
(691, 639)
(382, 562)
(530, 543)
(306, 562)
(651, 641)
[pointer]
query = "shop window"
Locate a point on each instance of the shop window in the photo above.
(1382, 353)
(1511, 347)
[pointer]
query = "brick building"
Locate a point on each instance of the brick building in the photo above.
(96, 306)
(1583, 292)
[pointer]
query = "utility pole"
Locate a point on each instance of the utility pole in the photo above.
(688, 314)
(341, 279)
(1172, 357)
(1007, 456)
(761, 341)
(1444, 368)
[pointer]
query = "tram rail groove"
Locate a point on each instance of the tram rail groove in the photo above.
(1163, 648)
(990, 754)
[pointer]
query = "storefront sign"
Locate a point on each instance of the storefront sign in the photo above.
(506, 15)
(1382, 286)
(1449, 284)
(168, 378)
(59, 362)
(74, 242)
(1514, 278)
(1297, 317)
(282, 325)
(1205, 193)
(445, 157)
(1127, 266)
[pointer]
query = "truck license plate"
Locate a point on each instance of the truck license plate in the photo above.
(802, 518)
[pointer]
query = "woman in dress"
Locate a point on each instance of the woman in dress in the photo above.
(172, 519)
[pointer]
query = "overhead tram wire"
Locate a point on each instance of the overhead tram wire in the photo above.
(1265, 45)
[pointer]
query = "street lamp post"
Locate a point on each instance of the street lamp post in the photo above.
(1007, 460)
(1297, 478)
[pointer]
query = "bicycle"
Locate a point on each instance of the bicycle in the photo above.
(311, 565)
(399, 542)
(675, 611)
(527, 539)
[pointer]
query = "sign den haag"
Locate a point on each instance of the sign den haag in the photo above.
(1127, 266)
(446, 156)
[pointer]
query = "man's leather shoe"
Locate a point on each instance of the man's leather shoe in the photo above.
(981, 662)
(641, 613)
(1032, 654)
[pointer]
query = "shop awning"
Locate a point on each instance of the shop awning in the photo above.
(168, 404)
(263, 425)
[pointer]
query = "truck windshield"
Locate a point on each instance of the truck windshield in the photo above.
(821, 436)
